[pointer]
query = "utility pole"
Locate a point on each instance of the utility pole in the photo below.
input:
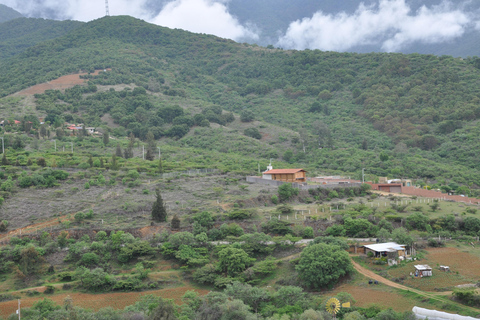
(159, 154)
(72, 146)
(363, 175)
(18, 311)
(143, 152)
(3, 146)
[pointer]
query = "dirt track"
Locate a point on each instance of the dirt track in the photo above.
(435, 296)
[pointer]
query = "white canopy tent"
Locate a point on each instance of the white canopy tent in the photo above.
(422, 313)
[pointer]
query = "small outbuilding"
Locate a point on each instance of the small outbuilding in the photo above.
(383, 249)
(286, 175)
(423, 270)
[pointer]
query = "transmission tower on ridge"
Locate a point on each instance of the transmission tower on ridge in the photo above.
(106, 8)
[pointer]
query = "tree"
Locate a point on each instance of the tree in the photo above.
(164, 311)
(118, 151)
(60, 133)
(252, 132)
(322, 265)
(43, 131)
(151, 146)
(233, 260)
(175, 222)
(128, 153)
(247, 116)
(286, 191)
(401, 236)
(159, 212)
(5, 161)
(31, 262)
(106, 138)
(251, 296)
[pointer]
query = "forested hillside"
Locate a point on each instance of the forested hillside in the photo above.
(7, 13)
(16, 35)
(393, 114)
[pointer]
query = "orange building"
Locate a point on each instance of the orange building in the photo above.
(287, 175)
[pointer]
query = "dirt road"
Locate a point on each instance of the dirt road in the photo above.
(436, 296)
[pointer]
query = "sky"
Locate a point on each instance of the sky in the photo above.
(389, 24)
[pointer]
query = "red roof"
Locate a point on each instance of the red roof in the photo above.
(283, 171)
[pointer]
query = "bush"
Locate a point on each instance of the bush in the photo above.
(239, 214)
(435, 243)
(253, 132)
(286, 191)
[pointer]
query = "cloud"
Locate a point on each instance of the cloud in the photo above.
(200, 16)
(390, 24)
(82, 10)
(203, 16)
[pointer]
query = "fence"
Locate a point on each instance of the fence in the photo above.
(187, 172)
(300, 186)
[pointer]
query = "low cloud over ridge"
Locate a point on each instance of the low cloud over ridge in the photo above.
(200, 16)
(391, 24)
(203, 16)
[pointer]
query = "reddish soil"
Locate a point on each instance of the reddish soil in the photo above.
(34, 227)
(97, 301)
(61, 83)
(366, 296)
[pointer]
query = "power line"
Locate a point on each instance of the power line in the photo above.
(106, 8)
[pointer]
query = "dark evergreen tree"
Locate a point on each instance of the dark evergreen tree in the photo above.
(175, 222)
(159, 212)
(118, 151)
(5, 160)
(160, 166)
(114, 163)
(106, 138)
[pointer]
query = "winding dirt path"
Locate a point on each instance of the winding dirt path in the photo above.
(439, 297)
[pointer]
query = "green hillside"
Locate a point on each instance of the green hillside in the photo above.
(19, 34)
(394, 114)
(7, 13)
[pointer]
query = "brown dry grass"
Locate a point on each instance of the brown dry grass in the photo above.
(97, 301)
(379, 295)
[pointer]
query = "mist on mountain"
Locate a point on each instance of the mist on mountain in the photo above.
(425, 26)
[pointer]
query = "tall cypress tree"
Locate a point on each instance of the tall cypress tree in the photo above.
(159, 212)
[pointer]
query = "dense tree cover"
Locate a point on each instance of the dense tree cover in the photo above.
(19, 34)
(7, 13)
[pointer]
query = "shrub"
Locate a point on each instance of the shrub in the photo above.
(253, 132)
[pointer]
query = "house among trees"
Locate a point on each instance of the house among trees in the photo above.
(390, 249)
(286, 175)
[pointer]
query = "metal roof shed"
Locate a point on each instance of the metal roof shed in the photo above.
(381, 249)
(423, 270)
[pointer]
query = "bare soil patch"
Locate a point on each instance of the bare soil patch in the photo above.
(61, 83)
(97, 301)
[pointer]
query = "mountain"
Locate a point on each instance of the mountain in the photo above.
(7, 13)
(393, 114)
(19, 34)
(270, 20)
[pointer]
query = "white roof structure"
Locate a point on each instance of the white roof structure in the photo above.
(422, 313)
(385, 247)
(422, 267)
